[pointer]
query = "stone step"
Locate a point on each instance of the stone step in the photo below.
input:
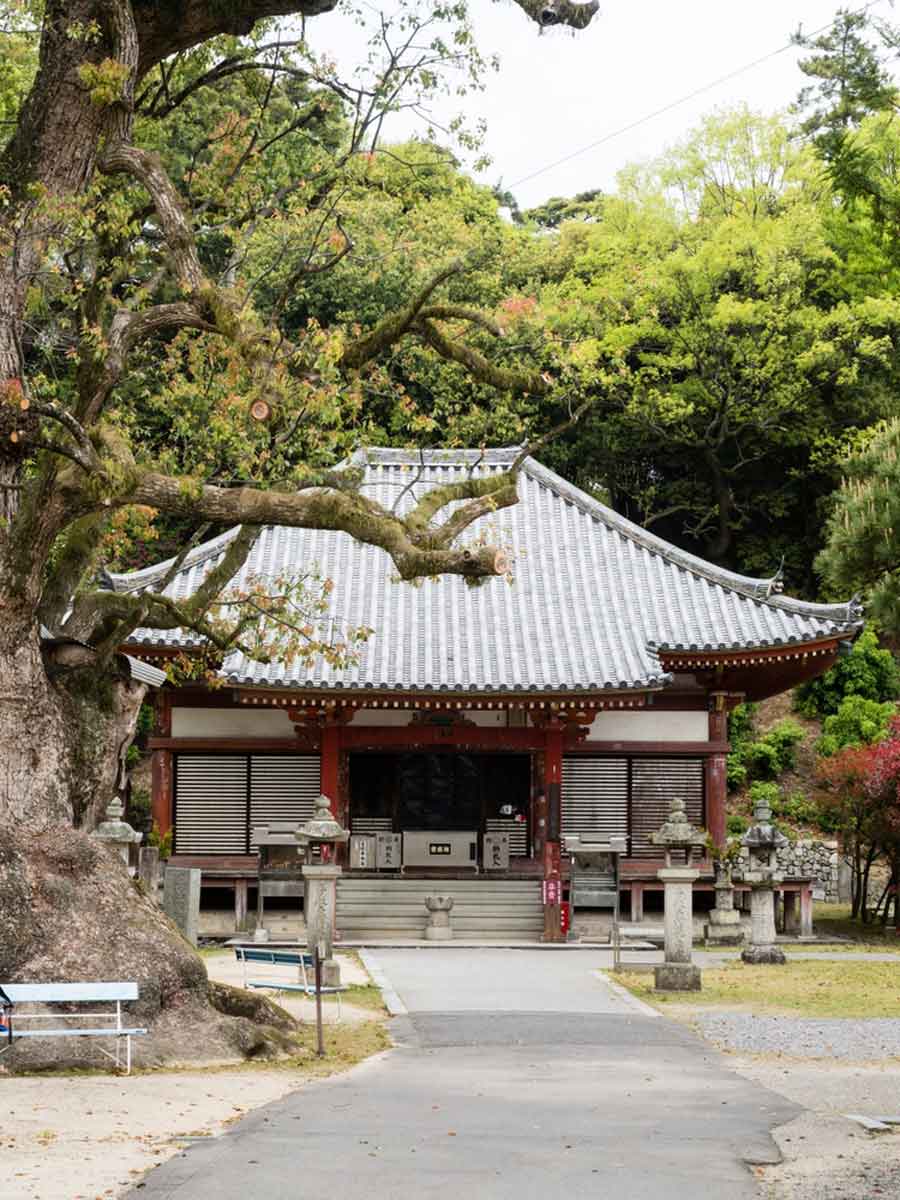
(532, 918)
(417, 904)
(483, 908)
(430, 886)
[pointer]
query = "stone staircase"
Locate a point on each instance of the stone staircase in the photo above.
(483, 909)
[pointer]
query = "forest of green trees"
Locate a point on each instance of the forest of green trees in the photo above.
(727, 319)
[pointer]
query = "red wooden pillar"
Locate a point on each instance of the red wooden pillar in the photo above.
(162, 791)
(553, 792)
(329, 779)
(716, 775)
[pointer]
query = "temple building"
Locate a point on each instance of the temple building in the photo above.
(481, 724)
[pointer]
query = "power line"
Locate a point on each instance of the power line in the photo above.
(707, 87)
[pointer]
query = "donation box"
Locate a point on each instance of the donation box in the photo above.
(427, 849)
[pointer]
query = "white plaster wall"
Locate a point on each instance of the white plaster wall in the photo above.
(650, 726)
(231, 722)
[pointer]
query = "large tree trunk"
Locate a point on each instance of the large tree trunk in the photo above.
(68, 909)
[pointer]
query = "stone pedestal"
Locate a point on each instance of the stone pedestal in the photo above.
(319, 903)
(724, 925)
(678, 974)
(763, 841)
(148, 871)
(762, 948)
(181, 900)
(438, 928)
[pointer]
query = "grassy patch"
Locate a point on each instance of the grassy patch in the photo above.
(364, 995)
(808, 989)
(833, 920)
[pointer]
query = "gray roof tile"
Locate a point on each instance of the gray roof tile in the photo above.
(595, 597)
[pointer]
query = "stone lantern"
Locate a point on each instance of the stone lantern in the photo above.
(320, 886)
(678, 973)
(763, 842)
(116, 833)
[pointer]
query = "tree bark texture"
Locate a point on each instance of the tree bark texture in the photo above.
(68, 909)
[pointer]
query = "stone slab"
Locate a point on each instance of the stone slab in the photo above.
(181, 899)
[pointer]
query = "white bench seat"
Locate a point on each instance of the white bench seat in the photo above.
(285, 958)
(107, 1032)
(49, 994)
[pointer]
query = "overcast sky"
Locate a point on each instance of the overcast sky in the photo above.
(559, 92)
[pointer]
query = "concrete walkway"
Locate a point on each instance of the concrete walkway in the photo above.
(517, 1076)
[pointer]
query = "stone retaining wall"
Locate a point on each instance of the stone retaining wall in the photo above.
(809, 859)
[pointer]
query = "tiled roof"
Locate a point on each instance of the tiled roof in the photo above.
(594, 601)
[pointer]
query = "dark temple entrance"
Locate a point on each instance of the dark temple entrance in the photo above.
(442, 791)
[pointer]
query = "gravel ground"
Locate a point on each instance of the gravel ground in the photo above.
(803, 1037)
(826, 1156)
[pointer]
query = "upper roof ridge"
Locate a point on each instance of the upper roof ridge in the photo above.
(438, 456)
(764, 591)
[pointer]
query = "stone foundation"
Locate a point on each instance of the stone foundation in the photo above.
(760, 955)
(676, 977)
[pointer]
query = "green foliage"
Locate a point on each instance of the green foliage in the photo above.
(706, 294)
(741, 722)
(584, 206)
(868, 670)
(761, 758)
(851, 80)
(857, 722)
(768, 793)
(862, 550)
(729, 854)
(104, 80)
(18, 59)
(139, 807)
(737, 824)
(163, 842)
(803, 810)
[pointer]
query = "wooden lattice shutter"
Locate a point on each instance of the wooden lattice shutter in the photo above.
(594, 796)
(210, 803)
(653, 782)
(283, 787)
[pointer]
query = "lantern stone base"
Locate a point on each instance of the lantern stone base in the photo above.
(676, 977)
(764, 955)
(729, 935)
(331, 973)
(724, 928)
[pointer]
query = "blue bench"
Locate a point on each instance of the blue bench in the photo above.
(106, 1024)
(305, 964)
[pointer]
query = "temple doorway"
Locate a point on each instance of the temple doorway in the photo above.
(442, 791)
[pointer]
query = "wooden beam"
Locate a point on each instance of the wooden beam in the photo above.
(245, 745)
(674, 749)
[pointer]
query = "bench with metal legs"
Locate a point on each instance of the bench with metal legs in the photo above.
(105, 1024)
(285, 958)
